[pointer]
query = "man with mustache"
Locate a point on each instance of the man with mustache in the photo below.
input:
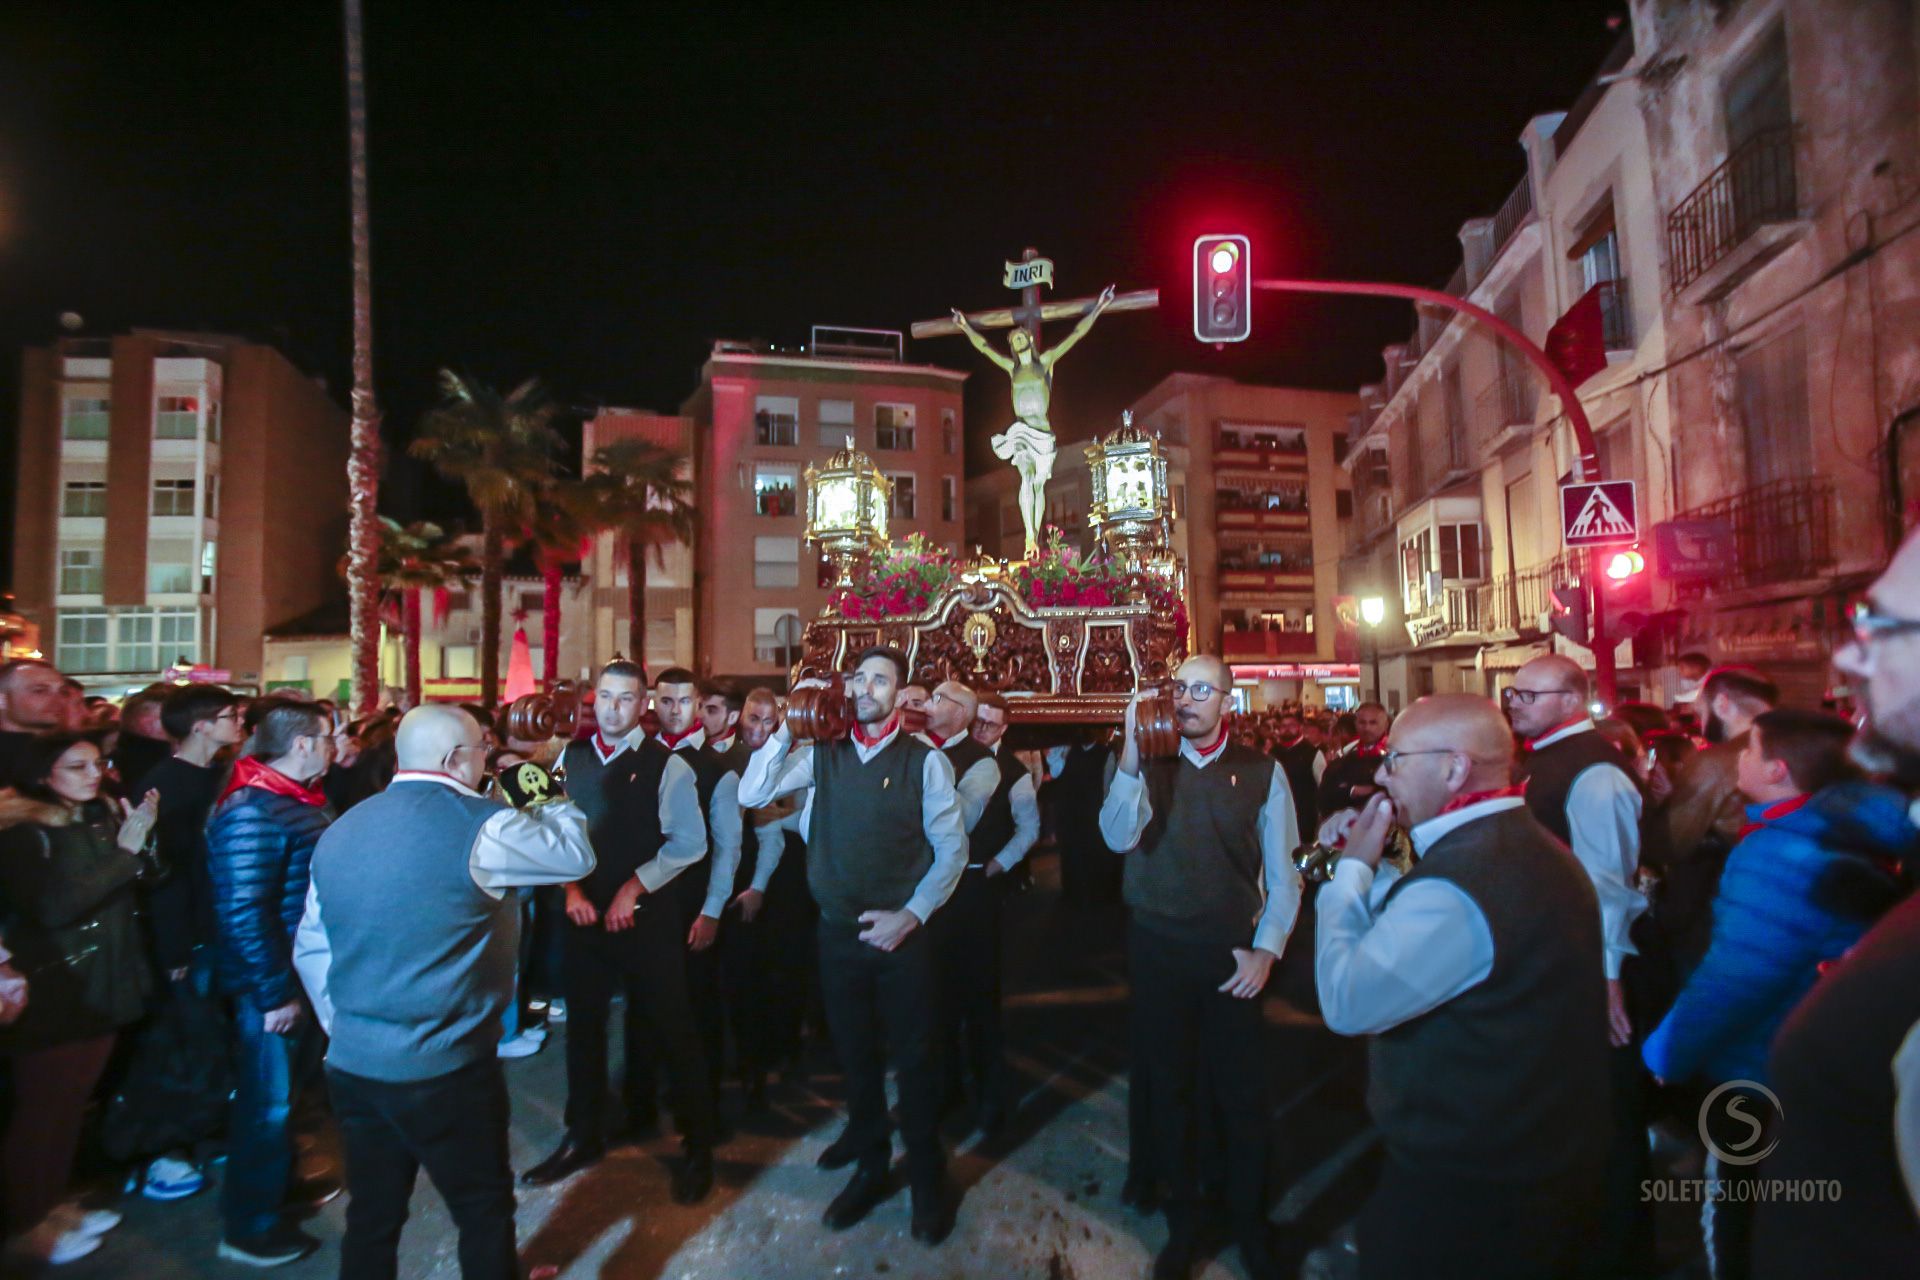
(1208, 837)
(885, 848)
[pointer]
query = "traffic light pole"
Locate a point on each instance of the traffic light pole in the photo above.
(1588, 466)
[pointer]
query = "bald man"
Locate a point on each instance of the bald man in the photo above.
(1477, 973)
(414, 1012)
(1208, 838)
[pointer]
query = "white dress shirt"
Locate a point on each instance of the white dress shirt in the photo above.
(773, 773)
(1375, 968)
(976, 786)
(545, 844)
(723, 828)
(1026, 816)
(1603, 813)
(772, 843)
(1127, 811)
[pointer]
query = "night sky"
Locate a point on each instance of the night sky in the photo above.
(591, 193)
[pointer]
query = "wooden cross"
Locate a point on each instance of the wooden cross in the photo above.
(1032, 312)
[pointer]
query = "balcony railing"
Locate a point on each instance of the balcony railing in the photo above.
(1269, 580)
(1755, 186)
(1782, 532)
(1616, 315)
(1510, 400)
(1513, 215)
(1516, 602)
(1455, 611)
(1255, 645)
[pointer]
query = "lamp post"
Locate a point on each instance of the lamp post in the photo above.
(1373, 611)
(847, 503)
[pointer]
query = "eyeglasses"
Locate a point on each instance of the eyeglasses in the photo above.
(231, 713)
(1198, 692)
(1390, 760)
(1869, 624)
(1527, 697)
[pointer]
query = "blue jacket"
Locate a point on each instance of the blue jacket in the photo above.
(259, 846)
(1797, 890)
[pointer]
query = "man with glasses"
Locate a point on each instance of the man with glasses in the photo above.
(885, 847)
(1583, 790)
(1847, 1062)
(1208, 839)
(1474, 974)
(643, 816)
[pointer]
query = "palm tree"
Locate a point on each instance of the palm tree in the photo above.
(363, 464)
(502, 449)
(562, 525)
(415, 558)
(639, 493)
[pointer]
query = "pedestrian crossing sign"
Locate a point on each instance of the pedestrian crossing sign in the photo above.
(1600, 514)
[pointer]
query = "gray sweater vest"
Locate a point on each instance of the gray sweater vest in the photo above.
(1508, 1078)
(423, 958)
(867, 846)
(1196, 876)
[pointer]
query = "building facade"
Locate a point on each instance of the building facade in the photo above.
(178, 494)
(759, 417)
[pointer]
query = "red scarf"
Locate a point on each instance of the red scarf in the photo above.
(250, 772)
(673, 740)
(1533, 744)
(1207, 753)
(861, 736)
(939, 741)
(604, 749)
(1775, 812)
(1476, 797)
(1367, 753)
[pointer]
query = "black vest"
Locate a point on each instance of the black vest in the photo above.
(867, 846)
(622, 802)
(1551, 771)
(1509, 1078)
(963, 755)
(1298, 760)
(995, 828)
(1196, 876)
(1831, 1067)
(1343, 774)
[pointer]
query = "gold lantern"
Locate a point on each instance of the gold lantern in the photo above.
(1131, 512)
(847, 503)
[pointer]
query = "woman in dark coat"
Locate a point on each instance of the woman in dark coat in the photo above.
(68, 862)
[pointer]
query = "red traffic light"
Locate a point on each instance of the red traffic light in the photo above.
(1625, 564)
(1222, 283)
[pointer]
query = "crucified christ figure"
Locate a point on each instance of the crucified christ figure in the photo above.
(1028, 442)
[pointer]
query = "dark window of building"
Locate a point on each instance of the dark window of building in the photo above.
(1772, 378)
(1758, 95)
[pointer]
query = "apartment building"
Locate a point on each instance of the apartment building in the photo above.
(177, 495)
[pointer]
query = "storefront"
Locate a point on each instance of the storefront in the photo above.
(1262, 686)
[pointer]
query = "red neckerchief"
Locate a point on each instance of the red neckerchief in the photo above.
(1290, 743)
(604, 749)
(673, 740)
(1775, 812)
(1365, 752)
(1207, 753)
(941, 742)
(1533, 744)
(251, 772)
(1476, 797)
(860, 732)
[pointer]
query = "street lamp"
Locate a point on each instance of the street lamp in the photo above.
(1131, 510)
(847, 511)
(1373, 611)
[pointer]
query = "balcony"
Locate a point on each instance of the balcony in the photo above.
(1514, 604)
(1504, 411)
(1782, 532)
(1513, 215)
(1740, 217)
(1438, 618)
(1282, 575)
(1257, 455)
(1261, 520)
(1257, 646)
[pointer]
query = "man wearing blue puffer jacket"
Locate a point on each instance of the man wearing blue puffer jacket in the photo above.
(1813, 869)
(260, 843)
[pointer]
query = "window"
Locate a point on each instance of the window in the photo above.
(176, 418)
(173, 497)
(169, 579)
(949, 434)
(1758, 95)
(893, 426)
(207, 561)
(776, 420)
(154, 639)
(84, 498)
(80, 571)
(81, 643)
(776, 562)
(776, 636)
(459, 662)
(836, 423)
(776, 490)
(949, 497)
(1772, 384)
(903, 503)
(1416, 554)
(84, 418)
(1460, 552)
(532, 602)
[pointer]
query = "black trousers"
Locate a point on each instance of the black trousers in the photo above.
(878, 998)
(1442, 1226)
(455, 1127)
(966, 933)
(790, 923)
(648, 961)
(744, 953)
(1625, 1244)
(1181, 1020)
(704, 1001)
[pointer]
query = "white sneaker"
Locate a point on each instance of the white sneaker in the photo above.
(538, 1031)
(556, 1011)
(171, 1179)
(52, 1243)
(90, 1222)
(524, 1045)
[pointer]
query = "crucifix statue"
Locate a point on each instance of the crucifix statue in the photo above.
(1028, 442)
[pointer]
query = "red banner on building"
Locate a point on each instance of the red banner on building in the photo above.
(1577, 342)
